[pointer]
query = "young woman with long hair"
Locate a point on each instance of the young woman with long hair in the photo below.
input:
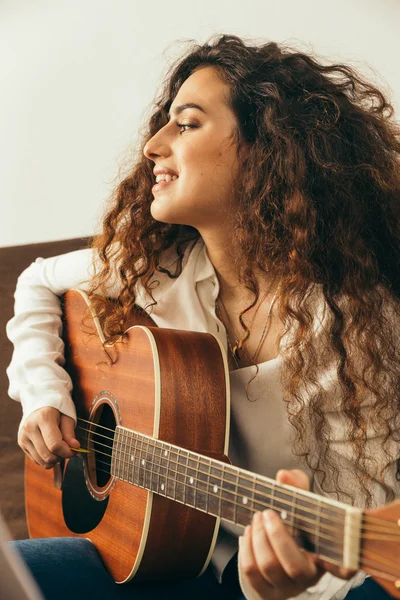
(278, 231)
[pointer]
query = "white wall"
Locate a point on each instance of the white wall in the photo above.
(78, 78)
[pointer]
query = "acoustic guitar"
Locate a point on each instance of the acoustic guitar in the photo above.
(155, 481)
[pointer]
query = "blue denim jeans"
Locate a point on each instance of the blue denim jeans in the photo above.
(71, 569)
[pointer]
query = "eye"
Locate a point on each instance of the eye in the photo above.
(185, 125)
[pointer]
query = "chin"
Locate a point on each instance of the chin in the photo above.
(159, 214)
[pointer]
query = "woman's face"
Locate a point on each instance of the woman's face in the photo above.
(202, 155)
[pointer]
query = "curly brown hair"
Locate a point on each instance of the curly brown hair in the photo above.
(319, 204)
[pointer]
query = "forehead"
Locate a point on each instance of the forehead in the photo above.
(203, 87)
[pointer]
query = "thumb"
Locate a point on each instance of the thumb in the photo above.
(67, 426)
(294, 477)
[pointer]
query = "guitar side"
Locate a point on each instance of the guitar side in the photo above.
(169, 384)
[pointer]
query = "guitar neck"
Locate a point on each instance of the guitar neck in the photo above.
(234, 494)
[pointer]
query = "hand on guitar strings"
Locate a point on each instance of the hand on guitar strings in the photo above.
(272, 565)
(47, 436)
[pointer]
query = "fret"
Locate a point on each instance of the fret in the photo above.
(228, 493)
(221, 487)
(197, 482)
(142, 464)
(133, 458)
(120, 463)
(162, 484)
(208, 485)
(124, 455)
(245, 504)
(282, 500)
(262, 496)
(128, 454)
(196, 477)
(167, 458)
(153, 473)
(189, 483)
(120, 457)
(215, 491)
(180, 495)
(158, 451)
(148, 470)
(202, 485)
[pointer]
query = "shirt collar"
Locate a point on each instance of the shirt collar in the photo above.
(203, 267)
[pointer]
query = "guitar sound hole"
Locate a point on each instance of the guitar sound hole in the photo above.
(101, 440)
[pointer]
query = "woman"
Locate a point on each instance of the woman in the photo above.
(278, 231)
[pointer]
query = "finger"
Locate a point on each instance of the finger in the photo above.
(53, 439)
(248, 567)
(31, 451)
(299, 479)
(334, 569)
(265, 557)
(293, 477)
(67, 426)
(28, 454)
(47, 457)
(297, 564)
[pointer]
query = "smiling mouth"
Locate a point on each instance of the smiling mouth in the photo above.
(162, 184)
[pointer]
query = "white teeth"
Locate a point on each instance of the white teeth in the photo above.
(166, 177)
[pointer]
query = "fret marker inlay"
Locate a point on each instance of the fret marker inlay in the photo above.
(143, 462)
(245, 500)
(283, 515)
(215, 489)
(191, 480)
(162, 486)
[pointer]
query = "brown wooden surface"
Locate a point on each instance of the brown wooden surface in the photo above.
(193, 413)
(13, 260)
(383, 551)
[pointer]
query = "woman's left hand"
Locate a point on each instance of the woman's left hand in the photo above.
(271, 564)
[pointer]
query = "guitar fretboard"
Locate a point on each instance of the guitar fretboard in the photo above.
(226, 491)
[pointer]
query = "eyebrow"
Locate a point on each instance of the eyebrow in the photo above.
(183, 107)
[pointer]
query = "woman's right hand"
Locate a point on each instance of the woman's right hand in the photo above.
(46, 436)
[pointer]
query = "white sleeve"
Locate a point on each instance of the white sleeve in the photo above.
(328, 587)
(36, 375)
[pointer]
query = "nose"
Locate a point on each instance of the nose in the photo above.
(156, 147)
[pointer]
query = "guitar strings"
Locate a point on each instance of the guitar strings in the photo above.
(209, 474)
(304, 529)
(298, 516)
(321, 546)
(217, 468)
(380, 530)
(378, 559)
(385, 526)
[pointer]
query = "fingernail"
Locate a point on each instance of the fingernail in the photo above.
(246, 530)
(257, 517)
(270, 517)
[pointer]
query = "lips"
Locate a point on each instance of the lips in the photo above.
(162, 184)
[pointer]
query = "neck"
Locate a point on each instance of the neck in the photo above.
(226, 266)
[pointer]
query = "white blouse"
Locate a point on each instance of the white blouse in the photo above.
(260, 434)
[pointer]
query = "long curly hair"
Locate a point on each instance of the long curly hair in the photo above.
(318, 203)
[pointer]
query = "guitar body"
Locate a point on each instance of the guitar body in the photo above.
(168, 384)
